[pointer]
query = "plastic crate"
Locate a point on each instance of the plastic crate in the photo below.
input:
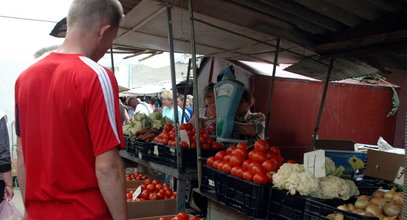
(214, 183)
(316, 209)
(283, 205)
(247, 197)
(126, 141)
(167, 155)
(130, 146)
(142, 150)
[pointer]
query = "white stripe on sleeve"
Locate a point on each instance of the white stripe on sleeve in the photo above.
(107, 92)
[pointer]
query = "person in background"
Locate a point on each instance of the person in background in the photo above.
(6, 180)
(132, 103)
(143, 107)
(207, 114)
(188, 110)
(190, 101)
(168, 107)
(152, 102)
(123, 114)
(68, 123)
(248, 125)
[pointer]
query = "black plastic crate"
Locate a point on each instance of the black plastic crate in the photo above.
(284, 206)
(130, 146)
(167, 155)
(316, 209)
(247, 197)
(142, 150)
(126, 141)
(214, 183)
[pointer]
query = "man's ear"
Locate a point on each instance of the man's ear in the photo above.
(103, 30)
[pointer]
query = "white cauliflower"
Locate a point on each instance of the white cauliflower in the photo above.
(335, 187)
(285, 172)
(304, 183)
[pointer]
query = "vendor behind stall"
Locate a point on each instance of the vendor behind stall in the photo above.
(248, 125)
(207, 114)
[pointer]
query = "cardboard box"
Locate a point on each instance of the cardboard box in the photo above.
(383, 165)
(350, 160)
(150, 208)
(133, 184)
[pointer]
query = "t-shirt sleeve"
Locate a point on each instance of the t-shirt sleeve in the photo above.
(103, 115)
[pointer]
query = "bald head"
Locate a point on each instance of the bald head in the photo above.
(87, 14)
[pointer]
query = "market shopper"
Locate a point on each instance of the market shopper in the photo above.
(6, 180)
(68, 123)
(207, 114)
(188, 112)
(168, 107)
(248, 125)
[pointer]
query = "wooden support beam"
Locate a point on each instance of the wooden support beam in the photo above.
(359, 8)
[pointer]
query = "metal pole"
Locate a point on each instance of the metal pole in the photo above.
(321, 107)
(195, 86)
(186, 89)
(273, 79)
(111, 59)
(404, 217)
(180, 180)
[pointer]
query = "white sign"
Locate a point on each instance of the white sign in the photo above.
(155, 150)
(399, 177)
(211, 182)
(184, 136)
(314, 162)
(137, 193)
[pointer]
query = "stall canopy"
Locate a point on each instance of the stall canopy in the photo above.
(365, 35)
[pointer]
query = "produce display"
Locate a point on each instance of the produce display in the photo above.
(294, 178)
(168, 137)
(135, 176)
(140, 121)
(146, 134)
(181, 216)
(384, 205)
(257, 165)
(152, 190)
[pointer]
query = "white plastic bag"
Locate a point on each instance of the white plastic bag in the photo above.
(8, 211)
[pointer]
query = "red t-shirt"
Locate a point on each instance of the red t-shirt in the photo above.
(68, 113)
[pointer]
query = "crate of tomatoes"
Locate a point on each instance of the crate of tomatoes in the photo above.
(164, 150)
(249, 173)
(214, 183)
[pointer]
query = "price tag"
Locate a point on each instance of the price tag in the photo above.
(184, 136)
(172, 150)
(314, 162)
(137, 193)
(399, 177)
(155, 150)
(140, 155)
(211, 182)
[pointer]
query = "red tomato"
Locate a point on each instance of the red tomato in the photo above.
(291, 161)
(183, 215)
(242, 145)
(246, 164)
(194, 218)
(182, 127)
(205, 146)
(216, 145)
(158, 187)
(260, 178)
(220, 165)
(166, 185)
(184, 144)
(270, 165)
(219, 155)
(236, 160)
(192, 145)
(152, 196)
(275, 150)
(256, 167)
(239, 172)
(258, 156)
(233, 170)
(248, 175)
(215, 164)
(150, 187)
(230, 150)
(203, 139)
(210, 161)
(163, 218)
(145, 194)
(160, 195)
(155, 182)
(240, 151)
(147, 181)
(226, 168)
(226, 158)
(261, 146)
(168, 193)
(168, 127)
(176, 218)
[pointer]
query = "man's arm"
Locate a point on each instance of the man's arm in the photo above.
(110, 175)
(20, 167)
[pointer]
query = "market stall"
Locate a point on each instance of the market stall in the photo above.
(328, 41)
